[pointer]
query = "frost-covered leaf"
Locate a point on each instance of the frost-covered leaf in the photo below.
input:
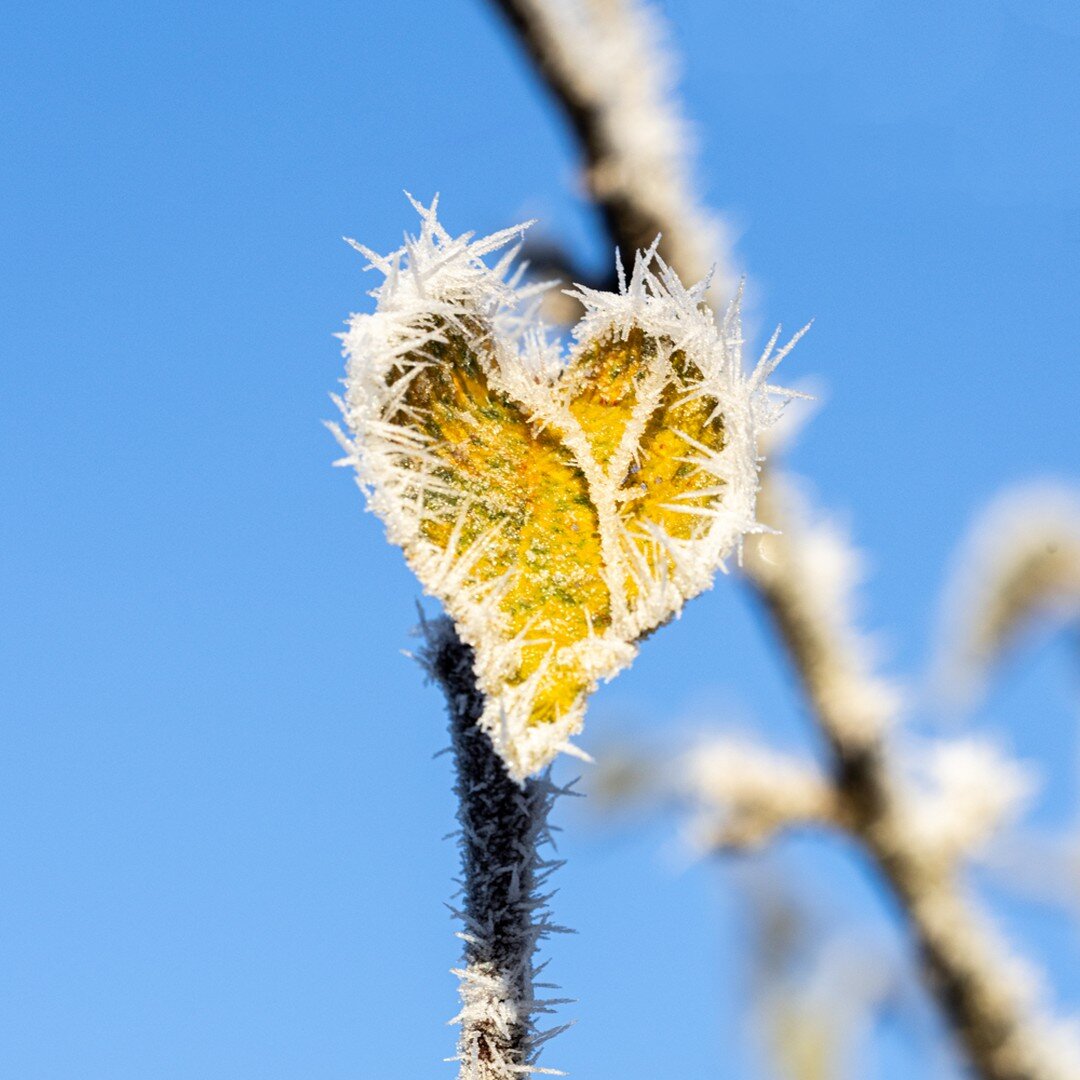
(559, 510)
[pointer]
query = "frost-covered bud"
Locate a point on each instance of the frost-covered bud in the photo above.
(559, 509)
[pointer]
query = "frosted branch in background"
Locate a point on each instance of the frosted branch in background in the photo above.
(808, 571)
(614, 77)
(923, 815)
(994, 1002)
(743, 793)
(1019, 564)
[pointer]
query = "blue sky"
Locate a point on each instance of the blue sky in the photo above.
(220, 815)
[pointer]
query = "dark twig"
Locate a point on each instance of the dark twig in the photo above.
(502, 905)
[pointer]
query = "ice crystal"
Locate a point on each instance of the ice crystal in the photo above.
(560, 509)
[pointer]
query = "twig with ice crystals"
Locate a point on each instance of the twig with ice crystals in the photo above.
(992, 1001)
(1020, 563)
(604, 62)
(503, 906)
(971, 974)
(744, 793)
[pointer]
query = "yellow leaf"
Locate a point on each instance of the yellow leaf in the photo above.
(507, 500)
(559, 513)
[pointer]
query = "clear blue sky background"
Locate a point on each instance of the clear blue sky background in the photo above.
(220, 816)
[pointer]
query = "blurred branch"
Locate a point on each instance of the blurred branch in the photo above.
(605, 65)
(1019, 563)
(980, 987)
(600, 60)
(746, 793)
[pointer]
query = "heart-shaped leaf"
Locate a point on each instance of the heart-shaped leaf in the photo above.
(558, 510)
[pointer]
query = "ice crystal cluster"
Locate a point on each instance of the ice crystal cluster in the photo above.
(559, 507)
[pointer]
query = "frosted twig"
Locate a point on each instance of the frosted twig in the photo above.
(502, 903)
(1019, 563)
(992, 1001)
(605, 64)
(746, 793)
(602, 79)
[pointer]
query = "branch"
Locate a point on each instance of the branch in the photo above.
(602, 62)
(609, 84)
(1020, 564)
(982, 990)
(505, 913)
(746, 794)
